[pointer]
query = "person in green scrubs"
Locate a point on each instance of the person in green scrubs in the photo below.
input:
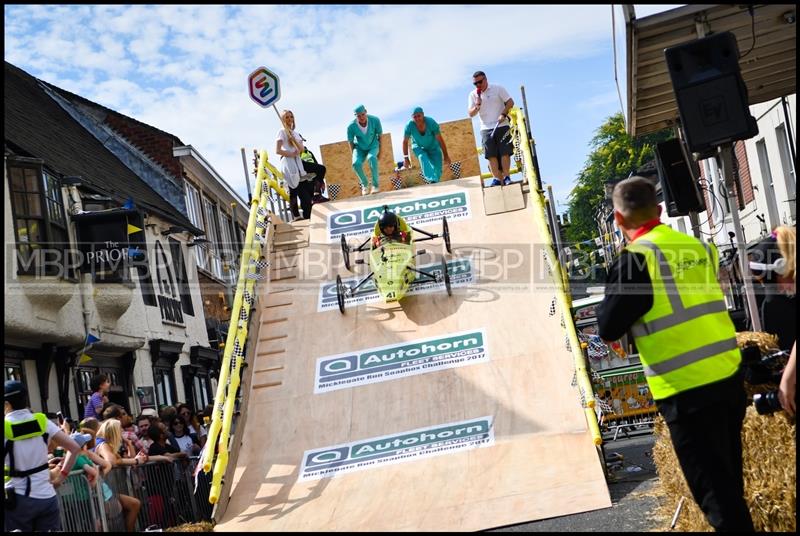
(427, 143)
(364, 137)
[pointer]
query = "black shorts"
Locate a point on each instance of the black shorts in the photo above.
(498, 145)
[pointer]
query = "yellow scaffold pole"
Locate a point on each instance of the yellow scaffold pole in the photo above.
(233, 356)
(582, 376)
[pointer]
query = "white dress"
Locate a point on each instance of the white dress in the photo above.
(292, 166)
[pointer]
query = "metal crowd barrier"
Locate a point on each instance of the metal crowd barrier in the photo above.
(166, 492)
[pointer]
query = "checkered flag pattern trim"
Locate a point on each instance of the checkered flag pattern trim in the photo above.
(255, 276)
(574, 380)
(397, 183)
(596, 348)
(552, 308)
(243, 313)
(248, 298)
(604, 406)
(567, 344)
(262, 224)
(517, 140)
(333, 191)
(455, 167)
(259, 264)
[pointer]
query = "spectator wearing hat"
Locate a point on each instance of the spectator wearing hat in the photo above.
(31, 503)
(772, 262)
(364, 137)
(427, 143)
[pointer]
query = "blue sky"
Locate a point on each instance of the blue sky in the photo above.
(183, 69)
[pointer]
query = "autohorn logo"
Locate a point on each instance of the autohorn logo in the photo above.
(394, 361)
(396, 448)
(416, 212)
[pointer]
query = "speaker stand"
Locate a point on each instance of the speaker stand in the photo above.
(725, 152)
(694, 219)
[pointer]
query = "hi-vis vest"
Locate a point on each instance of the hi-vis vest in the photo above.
(36, 426)
(687, 338)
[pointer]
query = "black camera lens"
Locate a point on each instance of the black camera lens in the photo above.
(751, 354)
(767, 403)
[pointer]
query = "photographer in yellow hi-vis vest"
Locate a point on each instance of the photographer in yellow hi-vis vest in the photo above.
(30, 502)
(663, 289)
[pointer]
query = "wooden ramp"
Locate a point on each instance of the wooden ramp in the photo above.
(435, 413)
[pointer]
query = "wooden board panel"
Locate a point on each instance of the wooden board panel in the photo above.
(338, 159)
(542, 463)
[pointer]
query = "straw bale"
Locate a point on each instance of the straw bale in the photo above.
(770, 475)
(203, 526)
(766, 342)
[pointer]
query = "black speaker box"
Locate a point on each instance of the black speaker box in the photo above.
(710, 93)
(678, 179)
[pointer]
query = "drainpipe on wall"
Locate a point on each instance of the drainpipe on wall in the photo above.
(76, 207)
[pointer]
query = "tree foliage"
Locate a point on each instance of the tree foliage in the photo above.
(615, 156)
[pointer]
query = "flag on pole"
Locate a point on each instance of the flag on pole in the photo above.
(198, 467)
(133, 229)
(91, 339)
(84, 359)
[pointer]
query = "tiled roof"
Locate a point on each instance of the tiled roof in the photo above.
(36, 126)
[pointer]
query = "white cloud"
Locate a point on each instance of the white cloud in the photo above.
(183, 69)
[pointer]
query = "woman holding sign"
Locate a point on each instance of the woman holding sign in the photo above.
(289, 144)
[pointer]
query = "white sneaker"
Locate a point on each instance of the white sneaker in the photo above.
(374, 190)
(363, 190)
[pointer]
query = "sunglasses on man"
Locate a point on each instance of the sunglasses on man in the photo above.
(479, 82)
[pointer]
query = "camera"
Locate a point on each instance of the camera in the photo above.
(759, 370)
(767, 403)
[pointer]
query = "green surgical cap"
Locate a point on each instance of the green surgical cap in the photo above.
(360, 109)
(418, 110)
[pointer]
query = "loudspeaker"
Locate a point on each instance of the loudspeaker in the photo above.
(678, 179)
(710, 93)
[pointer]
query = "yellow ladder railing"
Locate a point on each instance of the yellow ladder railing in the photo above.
(252, 261)
(559, 278)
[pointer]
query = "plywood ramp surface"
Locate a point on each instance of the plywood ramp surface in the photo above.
(537, 459)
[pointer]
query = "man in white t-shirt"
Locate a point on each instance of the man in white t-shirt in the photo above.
(31, 504)
(492, 104)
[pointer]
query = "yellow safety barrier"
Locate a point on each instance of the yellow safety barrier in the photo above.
(274, 174)
(233, 357)
(582, 376)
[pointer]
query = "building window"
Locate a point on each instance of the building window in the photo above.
(788, 170)
(179, 265)
(117, 393)
(40, 223)
(201, 392)
(195, 213)
(212, 234)
(197, 376)
(165, 386)
(229, 256)
(14, 369)
(769, 187)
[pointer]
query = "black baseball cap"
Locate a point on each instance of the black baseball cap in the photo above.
(14, 387)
